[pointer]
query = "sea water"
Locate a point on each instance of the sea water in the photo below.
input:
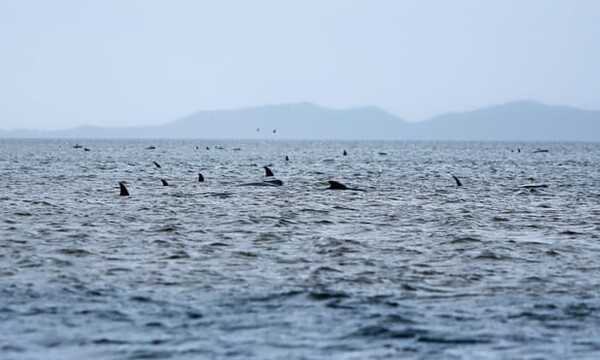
(413, 267)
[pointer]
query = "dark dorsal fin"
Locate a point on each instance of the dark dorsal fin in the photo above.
(200, 177)
(124, 191)
(157, 164)
(268, 171)
(345, 152)
(287, 158)
(458, 183)
(334, 185)
(164, 182)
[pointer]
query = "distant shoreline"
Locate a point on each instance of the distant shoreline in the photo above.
(515, 121)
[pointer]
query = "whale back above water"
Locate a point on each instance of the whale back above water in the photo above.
(274, 182)
(336, 185)
(534, 186)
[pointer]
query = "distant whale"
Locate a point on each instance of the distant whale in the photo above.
(264, 183)
(334, 185)
(164, 182)
(200, 177)
(540, 151)
(268, 171)
(534, 186)
(123, 188)
(458, 183)
(157, 164)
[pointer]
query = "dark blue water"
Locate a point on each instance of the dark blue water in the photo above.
(415, 267)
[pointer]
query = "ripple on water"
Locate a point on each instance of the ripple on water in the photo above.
(416, 267)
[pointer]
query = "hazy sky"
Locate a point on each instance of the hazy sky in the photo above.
(68, 63)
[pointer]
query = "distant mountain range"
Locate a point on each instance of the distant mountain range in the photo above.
(515, 121)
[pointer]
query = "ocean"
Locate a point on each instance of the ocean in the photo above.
(412, 267)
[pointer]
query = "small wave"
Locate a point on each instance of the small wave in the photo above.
(453, 340)
(552, 253)
(140, 298)
(23, 213)
(75, 252)
(113, 315)
(267, 238)
(324, 222)
(167, 228)
(246, 254)
(218, 244)
(464, 240)
(490, 255)
(383, 332)
(180, 254)
(327, 295)
(277, 296)
(322, 269)
(398, 319)
(105, 341)
(570, 233)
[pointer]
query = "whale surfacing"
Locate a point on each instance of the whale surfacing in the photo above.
(156, 164)
(200, 177)
(271, 183)
(335, 185)
(534, 186)
(164, 182)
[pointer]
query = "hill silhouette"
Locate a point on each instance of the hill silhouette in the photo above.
(515, 121)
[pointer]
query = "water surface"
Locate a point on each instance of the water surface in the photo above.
(415, 267)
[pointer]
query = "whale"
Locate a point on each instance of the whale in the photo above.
(534, 186)
(268, 171)
(268, 183)
(458, 183)
(200, 177)
(335, 185)
(164, 182)
(123, 189)
(157, 164)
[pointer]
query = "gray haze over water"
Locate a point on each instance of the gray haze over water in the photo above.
(415, 267)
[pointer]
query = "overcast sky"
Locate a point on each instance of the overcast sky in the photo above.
(68, 63)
